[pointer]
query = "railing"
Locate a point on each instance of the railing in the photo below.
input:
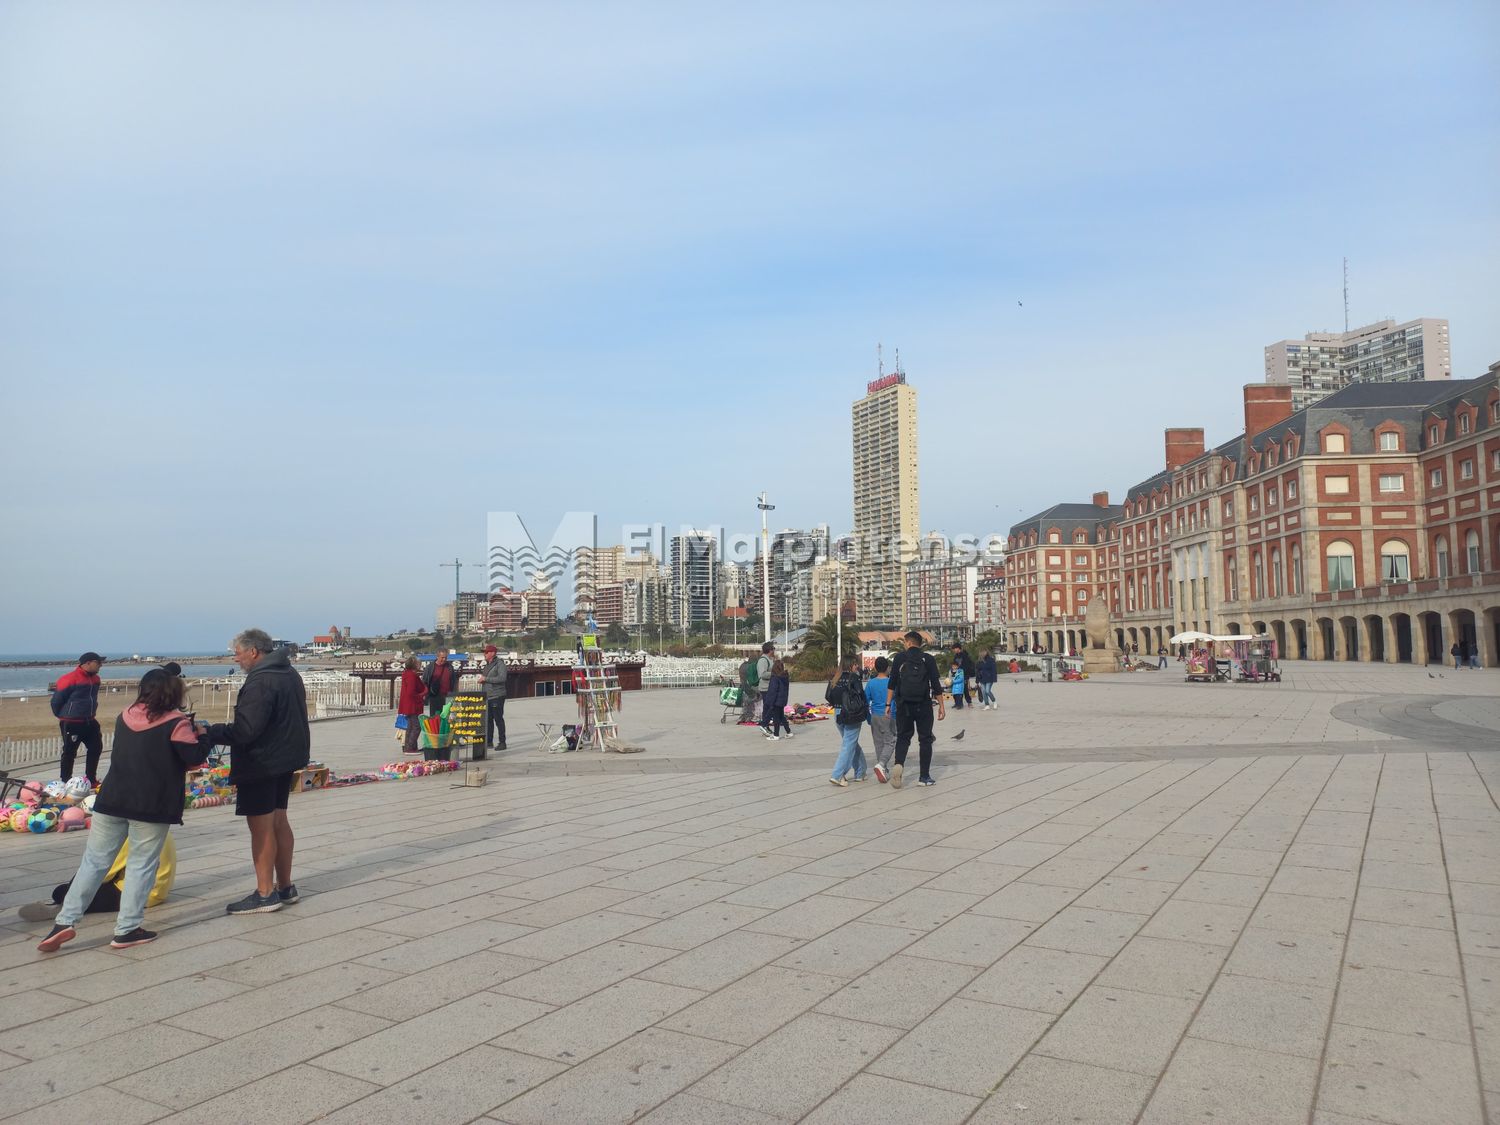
(16, 753)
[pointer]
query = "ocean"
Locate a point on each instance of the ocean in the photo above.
(34, 680)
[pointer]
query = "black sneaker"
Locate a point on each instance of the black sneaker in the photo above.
(288, 894)
(255, 903)
(54, 940)
(925, 781)
(136, 936)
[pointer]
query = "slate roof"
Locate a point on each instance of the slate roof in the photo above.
(1068, 518)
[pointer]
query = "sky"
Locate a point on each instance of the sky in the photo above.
(293, 295)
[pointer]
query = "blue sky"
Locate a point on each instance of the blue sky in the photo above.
(291, 296)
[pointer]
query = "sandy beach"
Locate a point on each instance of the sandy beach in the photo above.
(31, 716)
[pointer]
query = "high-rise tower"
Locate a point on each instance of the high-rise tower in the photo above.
(886, 512)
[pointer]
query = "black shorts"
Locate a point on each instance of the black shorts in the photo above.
(263, 795)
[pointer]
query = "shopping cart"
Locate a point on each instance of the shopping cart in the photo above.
(730, 698)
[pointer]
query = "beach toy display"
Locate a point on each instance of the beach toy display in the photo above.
(41, 819)
(71, 819)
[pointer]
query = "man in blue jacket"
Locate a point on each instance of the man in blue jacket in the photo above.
(76, 705)
(268, 742)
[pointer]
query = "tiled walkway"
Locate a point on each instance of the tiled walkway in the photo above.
(1253, 937)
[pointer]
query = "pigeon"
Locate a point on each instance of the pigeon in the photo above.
(958, 736)
(1430, 676)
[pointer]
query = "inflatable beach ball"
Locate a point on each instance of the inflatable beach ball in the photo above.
(18, 818)
(41, 820)
(88, 803)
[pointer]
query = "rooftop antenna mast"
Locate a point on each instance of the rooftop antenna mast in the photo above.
(880, 361)
(1346, 295)
(898, 370)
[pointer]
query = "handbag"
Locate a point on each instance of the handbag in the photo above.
(403, 721)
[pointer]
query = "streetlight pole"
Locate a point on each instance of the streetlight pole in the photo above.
(765, 560)
(838, 616)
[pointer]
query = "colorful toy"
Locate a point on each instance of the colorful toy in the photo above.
(88, 803)
(72, 819)
(18, 819)
(31, 793)
(39, 820)
(77, 788)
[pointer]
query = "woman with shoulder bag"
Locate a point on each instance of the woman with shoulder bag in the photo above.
(847, 694)
(409, 706)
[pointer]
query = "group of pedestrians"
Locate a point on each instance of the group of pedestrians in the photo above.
(432, 686)
(897, 702)
(141, 796)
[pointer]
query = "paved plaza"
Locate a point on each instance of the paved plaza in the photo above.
(1126, 900)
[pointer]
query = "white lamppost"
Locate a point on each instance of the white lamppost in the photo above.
(838, 615)
(765, 560)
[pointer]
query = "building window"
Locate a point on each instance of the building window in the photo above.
(1390, 442)
(1395, 561)
(1257, 577)
(1276, 572)
(1463, 423)
(1441, 551)
(1231, 579)
(1271, 497)
(1466, 469)
(1289, 448)
(1294, 576)
(1435, 478)
(1336, 486)
(1229, 509)
(1340, 557)
(1495, 461)
(1335, 443)
(1291, 489)
(1392, 482)
(1054, 537)
(1432, 434)
(1471, 552)
(1254, 503)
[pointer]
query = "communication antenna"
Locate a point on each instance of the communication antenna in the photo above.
(1346, 296)
(880, 361)
(898, 362)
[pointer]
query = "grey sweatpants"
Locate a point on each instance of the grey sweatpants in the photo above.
(883, 735)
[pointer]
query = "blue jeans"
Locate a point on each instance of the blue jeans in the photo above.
(106, 834)
(850, 754)
(986, 693)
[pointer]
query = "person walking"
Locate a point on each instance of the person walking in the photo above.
(409, 703)
(441, 680)
(847, 694)
(877, 695)
(269, 741)
(773, 703)
(494, 677)
(140, 799)
(963, 661)
(76, 705)
(987, 675)
(914, 686)
(1161, 658)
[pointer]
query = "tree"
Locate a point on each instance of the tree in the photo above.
(616, 636)
(438, 640)
(822, 636)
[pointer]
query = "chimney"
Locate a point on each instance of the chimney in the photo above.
(1265, 405)
(1185, 445)
(1101, 499)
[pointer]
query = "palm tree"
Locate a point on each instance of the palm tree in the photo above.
(822, 636)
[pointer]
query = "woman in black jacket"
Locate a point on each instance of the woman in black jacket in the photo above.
(140, 799)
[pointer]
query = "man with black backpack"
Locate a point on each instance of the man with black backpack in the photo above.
(914, 685)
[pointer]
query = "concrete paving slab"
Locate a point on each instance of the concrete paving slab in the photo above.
(965, 1046)
(911, 918)
(1399, 1078)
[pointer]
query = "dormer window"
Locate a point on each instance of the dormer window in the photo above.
(1335, 443)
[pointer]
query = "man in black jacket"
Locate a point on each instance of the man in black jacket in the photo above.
(269, 741)
(913, 686)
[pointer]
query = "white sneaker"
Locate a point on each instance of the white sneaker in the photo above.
(788, 734)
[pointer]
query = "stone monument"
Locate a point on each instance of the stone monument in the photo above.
(1098, 654)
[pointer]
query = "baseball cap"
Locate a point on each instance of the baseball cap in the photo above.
(86, 657)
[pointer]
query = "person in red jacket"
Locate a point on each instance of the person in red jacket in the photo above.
(409, 705)
(76, 705)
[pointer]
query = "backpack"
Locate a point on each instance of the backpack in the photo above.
(752, 673)
(912, 684)
(849, 698)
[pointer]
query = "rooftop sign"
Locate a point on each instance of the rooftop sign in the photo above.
(889, 381)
